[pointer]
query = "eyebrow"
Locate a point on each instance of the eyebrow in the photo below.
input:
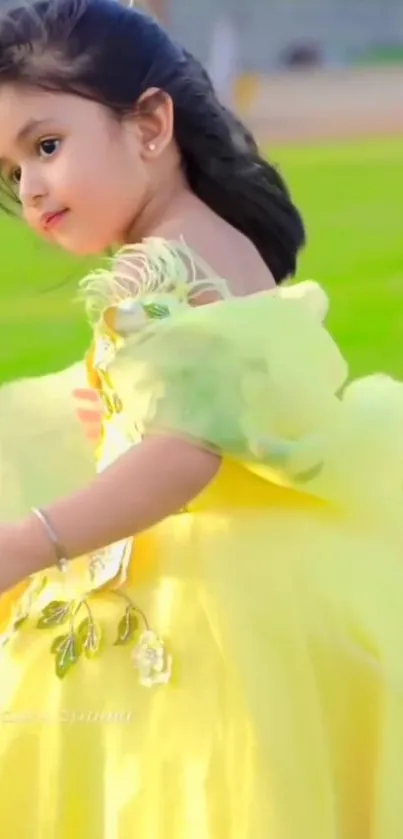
(28, 128)
(24, 132)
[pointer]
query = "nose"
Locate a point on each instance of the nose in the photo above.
(31, 189)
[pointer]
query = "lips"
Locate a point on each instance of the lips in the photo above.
(50, 220)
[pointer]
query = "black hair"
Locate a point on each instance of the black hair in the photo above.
(112, 54)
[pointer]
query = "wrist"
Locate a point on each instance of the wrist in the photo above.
(34, 548)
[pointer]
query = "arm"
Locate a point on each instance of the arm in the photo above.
(162, 474)
(147, 484)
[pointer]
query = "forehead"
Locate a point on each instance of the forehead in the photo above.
(17, 102)
(20, 105)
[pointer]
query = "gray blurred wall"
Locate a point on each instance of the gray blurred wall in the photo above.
(342, 29)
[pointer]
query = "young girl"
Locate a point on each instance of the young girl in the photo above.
(205, 641)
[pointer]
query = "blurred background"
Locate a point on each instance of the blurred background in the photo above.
(320, 82)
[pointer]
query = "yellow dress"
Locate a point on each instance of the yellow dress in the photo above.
(237, 671)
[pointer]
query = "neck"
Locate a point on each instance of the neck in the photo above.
(158, 209)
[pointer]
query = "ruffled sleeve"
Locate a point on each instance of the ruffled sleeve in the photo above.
(233, 375)
(258, 379)
(248, 377)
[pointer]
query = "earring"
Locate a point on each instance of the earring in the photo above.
(151, 146)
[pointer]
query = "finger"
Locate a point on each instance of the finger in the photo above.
(87, 416)
(87, 394)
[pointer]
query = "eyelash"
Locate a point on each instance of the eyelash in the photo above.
(48, 140)
(14, 175)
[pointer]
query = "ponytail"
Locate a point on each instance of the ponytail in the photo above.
(225, 170)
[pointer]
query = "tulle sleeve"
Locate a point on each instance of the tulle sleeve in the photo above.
(257, 378)
(233, 375)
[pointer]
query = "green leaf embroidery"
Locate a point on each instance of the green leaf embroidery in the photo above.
(20, 621)
(89, 638)
(40, 586)
(127, 628)
(34, 590)
(58, 643)
(67, 654)
(156, 311)
(54, 614)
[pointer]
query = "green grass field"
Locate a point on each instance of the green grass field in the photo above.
(352, 198)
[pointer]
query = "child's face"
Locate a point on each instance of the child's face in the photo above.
(78, 172)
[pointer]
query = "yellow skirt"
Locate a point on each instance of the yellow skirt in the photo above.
(283, 716)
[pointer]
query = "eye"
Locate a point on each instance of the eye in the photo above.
(15, 176)
(48, 147)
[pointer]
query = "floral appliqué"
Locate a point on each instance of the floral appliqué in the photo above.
(84, 637)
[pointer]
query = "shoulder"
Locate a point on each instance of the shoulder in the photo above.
(153, 268)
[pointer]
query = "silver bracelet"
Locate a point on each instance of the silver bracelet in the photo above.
(60, 551)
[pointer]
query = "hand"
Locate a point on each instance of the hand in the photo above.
(89, 411)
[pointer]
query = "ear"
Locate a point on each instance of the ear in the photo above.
(154, 115)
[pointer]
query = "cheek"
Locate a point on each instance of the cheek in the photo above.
(105, 190)
(80, 177)
(106, 185)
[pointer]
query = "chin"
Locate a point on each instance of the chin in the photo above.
(81, 247)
